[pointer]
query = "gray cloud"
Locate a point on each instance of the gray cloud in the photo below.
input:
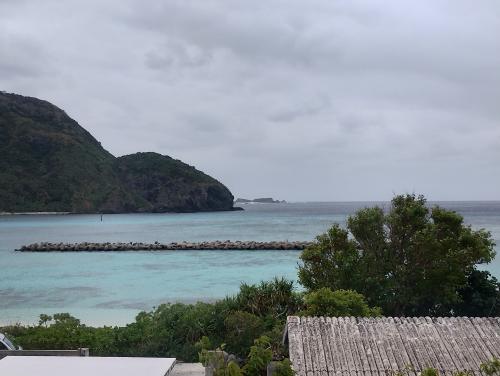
(176, 54)
(316, 100)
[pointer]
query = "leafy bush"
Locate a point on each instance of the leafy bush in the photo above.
(429, 372)
(275, 298)
(242, 328)
(325, 302)
(215, 359)
(284, 368)
(462, 373)
(233, 369)
(480, 297)
(491, 367)
(259, 357)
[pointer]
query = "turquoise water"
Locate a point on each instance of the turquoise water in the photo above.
(110, 288)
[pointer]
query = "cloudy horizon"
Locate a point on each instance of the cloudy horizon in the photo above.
(299, 100)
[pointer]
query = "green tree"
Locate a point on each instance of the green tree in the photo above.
(412, 260)
(480, 297)
(275, 298)
(325, 302)
(233, 369)
(271, 302)
(44, 320)
(259, 357)
(242, 328)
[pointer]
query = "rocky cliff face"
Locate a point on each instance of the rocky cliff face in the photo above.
(50, 163)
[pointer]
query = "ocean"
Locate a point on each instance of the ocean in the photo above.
(111, 288)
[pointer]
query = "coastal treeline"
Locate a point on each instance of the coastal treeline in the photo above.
(410, 260)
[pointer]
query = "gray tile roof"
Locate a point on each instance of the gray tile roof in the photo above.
(349, 346)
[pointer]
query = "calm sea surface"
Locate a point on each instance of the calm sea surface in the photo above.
(110, 288)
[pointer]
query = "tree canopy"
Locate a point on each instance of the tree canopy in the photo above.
(325, 302)
(411, 260)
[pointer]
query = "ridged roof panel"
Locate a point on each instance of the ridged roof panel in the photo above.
(382, 346)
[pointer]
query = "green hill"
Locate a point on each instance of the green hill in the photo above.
(50, 163)
(171, 185)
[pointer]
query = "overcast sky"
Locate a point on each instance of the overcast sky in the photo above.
(299, 100)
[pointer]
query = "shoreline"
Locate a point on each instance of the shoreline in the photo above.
(88, 316)
(233, 209)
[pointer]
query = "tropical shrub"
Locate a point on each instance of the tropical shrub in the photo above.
(429, 372)
(284, 368)
(491, 367)
(259, 357)
(242, 328)
(325, 302)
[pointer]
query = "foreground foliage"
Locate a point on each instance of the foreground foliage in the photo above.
(491, 367)
(410, 261)
(325, 302)
(260, 355)
(175, 330)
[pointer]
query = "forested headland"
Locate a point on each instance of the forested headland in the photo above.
(50, 163)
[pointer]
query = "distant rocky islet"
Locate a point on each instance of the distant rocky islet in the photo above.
(262, 200)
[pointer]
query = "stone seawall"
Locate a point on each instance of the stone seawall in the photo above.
(209, 245)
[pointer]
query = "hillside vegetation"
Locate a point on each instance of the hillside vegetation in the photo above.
(50, 163)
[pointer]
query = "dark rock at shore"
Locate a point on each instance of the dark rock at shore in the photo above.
(49, 163)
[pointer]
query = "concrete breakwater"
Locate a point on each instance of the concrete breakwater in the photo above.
(156, 246)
